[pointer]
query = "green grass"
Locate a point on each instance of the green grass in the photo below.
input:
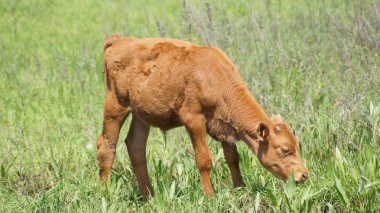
(317, 63)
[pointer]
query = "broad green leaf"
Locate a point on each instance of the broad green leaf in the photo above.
(331, 208)
(2, 171)
(371, 185)
(291, 186)
(306, 194)
(172, 190)
(342, 193)
(339, 160)
(200, 201)
(180, 169)
(104, 205)
(257, 202)
(272, 197)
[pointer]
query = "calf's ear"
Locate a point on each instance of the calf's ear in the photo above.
(262, 130)
(277, 119)
(277, 129)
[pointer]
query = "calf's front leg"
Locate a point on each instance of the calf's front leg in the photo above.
(232, 158)
(197, 130)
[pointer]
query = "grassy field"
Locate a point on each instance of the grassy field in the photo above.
(317, 63)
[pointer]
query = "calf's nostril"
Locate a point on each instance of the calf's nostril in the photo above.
(304, 176)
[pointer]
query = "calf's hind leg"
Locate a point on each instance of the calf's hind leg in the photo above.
(114, 116)
(136, 144)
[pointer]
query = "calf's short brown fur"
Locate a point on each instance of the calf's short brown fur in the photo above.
(168, 83)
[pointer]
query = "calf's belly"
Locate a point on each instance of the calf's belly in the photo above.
(162, 121)
(155, 110)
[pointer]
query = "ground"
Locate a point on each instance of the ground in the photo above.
(317, 63)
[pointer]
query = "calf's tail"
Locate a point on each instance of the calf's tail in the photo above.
(108, 43)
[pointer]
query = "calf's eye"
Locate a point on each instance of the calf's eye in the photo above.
(286, 151)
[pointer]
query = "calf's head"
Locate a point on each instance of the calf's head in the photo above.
(278, 150)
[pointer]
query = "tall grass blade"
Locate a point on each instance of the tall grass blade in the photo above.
(341, 192)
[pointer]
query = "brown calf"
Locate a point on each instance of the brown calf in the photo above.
(168, 83)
